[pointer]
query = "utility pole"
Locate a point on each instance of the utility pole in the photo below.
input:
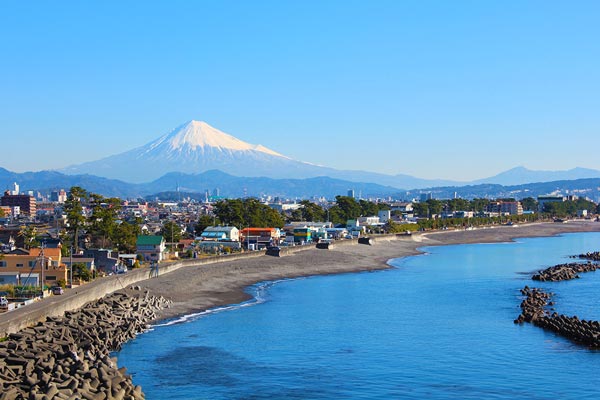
(41, 262)
(71, 268)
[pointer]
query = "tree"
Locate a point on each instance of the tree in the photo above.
(171, 231)
(74, 210)
(81, 271)
(479, 205)
(435, 206)
(2, 213)
(29, 235)
(459, 205)
(311, 211)
(421, 210)
(125, 236)
(529, 204)
(103, 221)
(348, 207)
(247, 212)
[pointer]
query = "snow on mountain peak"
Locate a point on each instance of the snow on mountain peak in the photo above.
(196, 135)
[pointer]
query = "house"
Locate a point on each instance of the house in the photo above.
(89, 262)
(261, 237)
(32, 267)
(104, 260)
(221, 233)
(218, 237)
(151, 248)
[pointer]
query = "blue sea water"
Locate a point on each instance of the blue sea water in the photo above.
(439, 326)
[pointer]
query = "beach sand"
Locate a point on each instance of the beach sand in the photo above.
(198, 288)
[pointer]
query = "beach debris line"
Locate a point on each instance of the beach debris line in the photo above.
(534, 310)
(564, 272)
(69, 357)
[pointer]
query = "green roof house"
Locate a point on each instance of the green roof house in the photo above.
(152, 248)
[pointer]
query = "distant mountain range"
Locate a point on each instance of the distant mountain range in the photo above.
(228, 185)
(522, 175)
(197, 147)
(178, 185)
(196, 157)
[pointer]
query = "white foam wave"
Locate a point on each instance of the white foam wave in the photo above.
(259, 296)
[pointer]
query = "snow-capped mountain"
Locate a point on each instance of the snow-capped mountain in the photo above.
(194, 147)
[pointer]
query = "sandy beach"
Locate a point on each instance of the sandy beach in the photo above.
(198, 288)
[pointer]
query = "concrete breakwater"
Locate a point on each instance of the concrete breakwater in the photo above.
(69, 357)
(534, 310)
(592, 256)
(563, 272)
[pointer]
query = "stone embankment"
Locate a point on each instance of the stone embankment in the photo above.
(534, 310)
(564, 272)
(69, 357)
(592, 256)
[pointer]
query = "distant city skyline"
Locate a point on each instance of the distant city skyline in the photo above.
(437, 90)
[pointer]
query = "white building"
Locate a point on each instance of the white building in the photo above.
(221, 233)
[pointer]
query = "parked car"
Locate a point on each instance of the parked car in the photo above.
(57, 290)
(3, 303)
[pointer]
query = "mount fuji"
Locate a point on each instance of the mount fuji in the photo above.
(194, 147)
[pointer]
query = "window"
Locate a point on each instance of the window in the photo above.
(31, 264)
(2, 263)
(51, 278)
(19, 265)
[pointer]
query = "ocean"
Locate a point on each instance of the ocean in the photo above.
(438, 325)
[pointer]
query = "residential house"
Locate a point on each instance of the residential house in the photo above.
(216, 237)
(151, 248)
(105, 260)
(221, 233)
(31, 267)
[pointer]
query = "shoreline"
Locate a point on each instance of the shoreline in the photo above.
(197, 289)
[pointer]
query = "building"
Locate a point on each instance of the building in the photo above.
(105, 260)
(351, 193)
(505, 208)
(31, 267)
(151, 248)
(303, 235)
(384, 216)
(221, 233)
(542, 200)
(26, 203)
(369, 221)
(58, 196)
(261, 237)
(426, 196)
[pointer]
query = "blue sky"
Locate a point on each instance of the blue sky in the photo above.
(435, 89)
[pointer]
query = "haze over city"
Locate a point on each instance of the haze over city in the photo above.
(432, 89)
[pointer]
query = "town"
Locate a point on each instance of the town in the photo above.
(68, 238)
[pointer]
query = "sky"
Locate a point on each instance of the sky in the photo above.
(435, 89)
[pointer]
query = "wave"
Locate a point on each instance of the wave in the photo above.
(259, 296)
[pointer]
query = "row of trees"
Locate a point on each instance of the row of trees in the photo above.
(251, 212)
(103, 226)
(570, 208)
